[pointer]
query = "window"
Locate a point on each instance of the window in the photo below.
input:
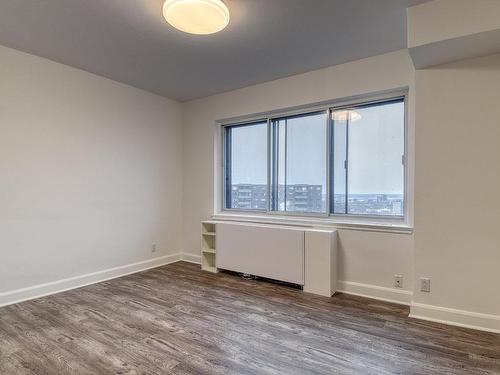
(246, 166)
(336, 161)
(299, 163)
(368, 159)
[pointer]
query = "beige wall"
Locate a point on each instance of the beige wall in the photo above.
(439, 20)
(366, 257)
(457, 242)
(90, 172)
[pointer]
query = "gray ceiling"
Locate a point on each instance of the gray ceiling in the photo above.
(129, 41)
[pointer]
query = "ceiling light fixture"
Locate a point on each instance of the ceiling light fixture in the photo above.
(196, 16)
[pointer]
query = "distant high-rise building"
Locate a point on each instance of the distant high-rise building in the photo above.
(249, 196)
(309, 198)
(306, 198)
(302, 197)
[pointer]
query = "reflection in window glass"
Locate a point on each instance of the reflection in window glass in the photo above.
(246, 166)
(375, 169)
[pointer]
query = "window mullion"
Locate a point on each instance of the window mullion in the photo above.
(331, 161)
(346, 165)
(285, 167)
(269, 165)
(227, 169)
(274, 166)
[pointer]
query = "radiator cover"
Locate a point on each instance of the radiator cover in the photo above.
(275, 252)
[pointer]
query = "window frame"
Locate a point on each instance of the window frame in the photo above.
(404, 161)
(226, 166)
(328, 106)
(272, 161)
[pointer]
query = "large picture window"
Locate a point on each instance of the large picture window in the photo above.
(347, 160)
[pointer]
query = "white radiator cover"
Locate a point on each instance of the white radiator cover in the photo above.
(298, 255)
(268, 251)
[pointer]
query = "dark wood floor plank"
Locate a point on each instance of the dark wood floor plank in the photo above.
(178, 320)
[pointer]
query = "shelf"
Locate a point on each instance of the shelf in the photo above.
(208, 246)
(209, 269)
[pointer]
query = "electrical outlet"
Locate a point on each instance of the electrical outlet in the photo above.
(398, 281)
(153, 247)
(425, 284)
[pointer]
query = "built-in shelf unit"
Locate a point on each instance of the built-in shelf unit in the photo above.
(208, 247)
(295, 254)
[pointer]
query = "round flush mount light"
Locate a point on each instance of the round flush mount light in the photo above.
(346, 114)
(200, 17)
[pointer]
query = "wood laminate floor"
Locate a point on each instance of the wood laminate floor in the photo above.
(176, 319)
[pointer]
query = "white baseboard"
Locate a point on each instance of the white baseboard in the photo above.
(191, 258)
(399, 296)
(455, 317)
(460, 318)
(40, 290)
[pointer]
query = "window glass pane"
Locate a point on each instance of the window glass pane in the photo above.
(246, 166)
(300, 149)
(375, 170)
(339, 176)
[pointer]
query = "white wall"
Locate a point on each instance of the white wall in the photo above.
(90, 172)
(457, 242)
(365, 257)
(443, 31)
(439, 20)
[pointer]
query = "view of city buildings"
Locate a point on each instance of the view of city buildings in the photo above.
(311, 198)
(369, 204)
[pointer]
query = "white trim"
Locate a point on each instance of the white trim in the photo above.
(393, 295)
(191, 258)
(376, 96)
(327, 222)
(53, 287)
(455, 317)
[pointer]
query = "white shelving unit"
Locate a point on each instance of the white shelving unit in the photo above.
(208, 247)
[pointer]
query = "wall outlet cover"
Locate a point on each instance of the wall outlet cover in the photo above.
(425, 284)
(398, 281)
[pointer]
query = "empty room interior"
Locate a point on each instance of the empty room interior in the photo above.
(250, 187)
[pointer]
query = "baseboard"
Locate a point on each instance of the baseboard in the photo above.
(191, 258)
(399, 296)
(37, 291)
(460, 318)
(455, 317)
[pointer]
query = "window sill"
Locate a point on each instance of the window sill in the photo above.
(348, 224)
